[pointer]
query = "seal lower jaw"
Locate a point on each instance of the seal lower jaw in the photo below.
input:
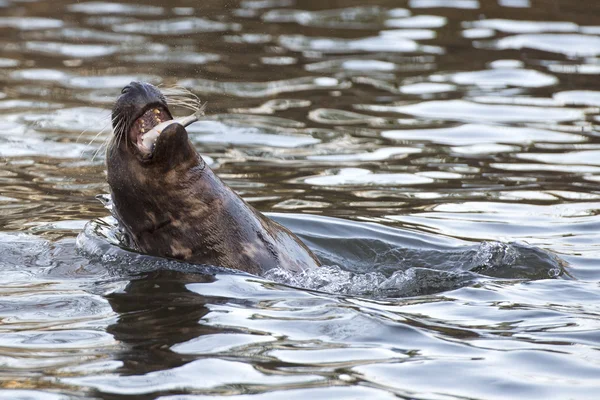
(142, 133)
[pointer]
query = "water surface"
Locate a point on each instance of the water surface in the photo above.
(440, 157)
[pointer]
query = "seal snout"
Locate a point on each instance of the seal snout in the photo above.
(145, 131)
(140, 108)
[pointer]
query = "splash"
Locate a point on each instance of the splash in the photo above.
(360, 259)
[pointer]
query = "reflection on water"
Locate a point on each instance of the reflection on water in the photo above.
(457, 140)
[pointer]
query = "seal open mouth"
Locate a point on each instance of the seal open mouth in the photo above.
(142, 133)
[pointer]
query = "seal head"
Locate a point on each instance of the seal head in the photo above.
(171, 204)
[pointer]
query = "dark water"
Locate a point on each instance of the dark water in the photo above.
(442, 157)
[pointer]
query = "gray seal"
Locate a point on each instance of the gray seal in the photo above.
(171, 204)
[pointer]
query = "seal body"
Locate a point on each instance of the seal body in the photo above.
(171, 204)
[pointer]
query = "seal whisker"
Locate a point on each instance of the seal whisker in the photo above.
(99, 120)
(101, 131)
(177, 90)
(191, 107)
(182, 97)
(183, 100)
(121, 134)
(103, 142)
(98, 150)
(81, 134)
(118, 128)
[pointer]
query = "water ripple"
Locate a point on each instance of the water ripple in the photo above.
(179, 26)
(368, 44)
(504, 77)
(332, 392)
(567, 44)
(360, 177)
(478, 134)
(30, 23)
(101, 7)
(60, 49)
(519, 26)
(345, 18)
(408, 145)
(463, 4)
(461, 110)
(184, 378)
(263, 89)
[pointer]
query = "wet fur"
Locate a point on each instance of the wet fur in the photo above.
(173, 205)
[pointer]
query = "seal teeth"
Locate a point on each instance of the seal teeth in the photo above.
(156, 111)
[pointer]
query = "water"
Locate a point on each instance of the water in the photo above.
(440, 157)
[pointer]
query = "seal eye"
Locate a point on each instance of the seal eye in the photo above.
(125, 89)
